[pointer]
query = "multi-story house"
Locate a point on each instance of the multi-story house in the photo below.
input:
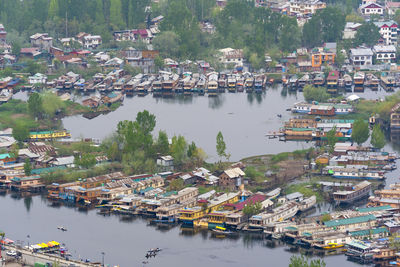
(231, 56)
(385, 53)
(305, 7)
(388, 31)
(361, 56)
(371, 8)
(42, 40)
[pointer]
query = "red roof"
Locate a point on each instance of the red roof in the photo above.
(29, 50)
(251, 200)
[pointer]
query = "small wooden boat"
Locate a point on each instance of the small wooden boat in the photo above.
(333, 246)
(62, 228)
(221, 231)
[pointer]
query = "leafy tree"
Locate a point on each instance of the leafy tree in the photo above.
(162, 143)
(167, 43)
(301, 261)
(159, 62)
(312, 93)
(252, 209)
(326, 217)
(221, 146)
(326, 25)
(331, 139)
(367, 34)
(20, 132)
(16, 48)
(192, 148)
(176, 184)
(86, 160)
(377, 137)
(339, 60)
(34, 67)
(360, 132)
(51, 103)
(27, 167)
(354, 17)
(178, 149)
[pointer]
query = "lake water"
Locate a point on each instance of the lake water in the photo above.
(126, 242)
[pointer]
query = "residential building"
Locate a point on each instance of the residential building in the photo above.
(350, 30)
(42, 40)
(385, 53)
(25, 183)
(305, 7)
(371, 8)
(91, 41)
(231, 178)
(3, 36)
(321, 56)
(133, 35)
(143, 59)
(361, 56)
(388, 31)
(391, 7)
(166, 162)
(38, 78)
(231, 56)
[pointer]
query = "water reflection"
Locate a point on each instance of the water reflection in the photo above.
(28, 203)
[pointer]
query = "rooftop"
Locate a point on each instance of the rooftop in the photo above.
(354, 220)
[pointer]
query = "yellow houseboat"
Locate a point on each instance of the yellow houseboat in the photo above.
(191, 215)
(333, 246)
(49, 134)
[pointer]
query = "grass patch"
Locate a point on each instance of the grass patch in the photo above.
(307, 189)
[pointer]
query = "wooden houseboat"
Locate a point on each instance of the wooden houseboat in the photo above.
(201, 85)
(319, 79)
(157, 88)
(293, 82)
(259, 84)
(143, 88)
(249, 84)
(351, 173)
(240, 84)
(232, 85)
(188, 86)
(332, 82)
(388, 83)
(359, 191)
(221, 84)
(372, 82)
(212, 88)
(348, 82)
(303, 81)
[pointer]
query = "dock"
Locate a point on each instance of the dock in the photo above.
(30, 258)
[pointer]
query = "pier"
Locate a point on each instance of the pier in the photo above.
(30, 258)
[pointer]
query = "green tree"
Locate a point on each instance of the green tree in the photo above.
(301, 261)
(221, 146)
(360, 132)
(159, 62)
(331, 139)
(178, 149)
(252, 209)
(86, 160)
(176, 185)
(27, 167)
(16, 48)
(162, 143)
(20, 132)
(377, 137)
(312, 93)
(192, 148)
(115, 14)
(53, 8)
(367, 34)
(167, 43)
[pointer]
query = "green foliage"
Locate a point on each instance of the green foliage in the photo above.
(312, 93)
(162, 143)
(360, 132)
(252, 209)
(354, 17)
(326, 217)
(20, 132)
(331, 139)
(51, 103)
(27, 167)
(367, 34)
(35, 105)
(221, 146)
(167, 43)
(252, 173)
(176, 185)
(301, 261)
(326, 25)
(178, 149)
(85, 160)
(34, 67)
(159, 62)
(377, 137)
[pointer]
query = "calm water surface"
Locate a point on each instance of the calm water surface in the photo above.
(126, 242)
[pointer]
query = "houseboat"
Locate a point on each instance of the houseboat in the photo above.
(348, 82)
(249, 84)
(351, 173)
(359, 191)
(143, 88)
(232, 85)
(332, 82)
(169, 85)
(273, 194)
(259, 84)
(188, 86)
(307, 203)
(372, 81)
(212, 88)
(49, 135)
(157, 88)
(179, 86)
(201, 85)
(240, 84)
(302, 107)
(293, 82)
(129, 87)
(359, 250)
(319, 79)
(359, 80)
(221, 85)
(281, 213)
(388, 83)
(303, 81)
